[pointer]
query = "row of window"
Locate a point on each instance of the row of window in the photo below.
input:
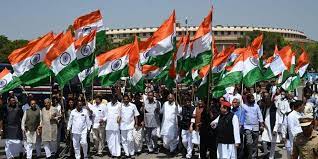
(217, 33)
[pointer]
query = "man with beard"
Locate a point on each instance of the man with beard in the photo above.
(228, 134)
(252, 122)
(272, 126)
(10, 128)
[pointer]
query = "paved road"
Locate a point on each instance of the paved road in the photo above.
(280, 154)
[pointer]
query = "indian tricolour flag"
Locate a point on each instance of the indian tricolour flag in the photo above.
(86, 24)
(85, 46)
(28, 62)
(270, 59)
(280, 63)
(61, 59)
(113, 65)
(257, 44)
(150, 71)
(201, 46)
(251, 71)
(158, 49)
(135, 69)
(203, 87)
(8, 81)
(294, 81)
(88, 75)
(220, 61)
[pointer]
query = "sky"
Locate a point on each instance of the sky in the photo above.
(29, 19)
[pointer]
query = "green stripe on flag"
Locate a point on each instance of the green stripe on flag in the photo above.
(67, 73)
(15, 82)
(36, 76)
(112, 78)
(202, 59)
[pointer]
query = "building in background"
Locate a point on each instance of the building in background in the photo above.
(224, 35)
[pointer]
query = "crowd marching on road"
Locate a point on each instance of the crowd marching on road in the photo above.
(127, 125)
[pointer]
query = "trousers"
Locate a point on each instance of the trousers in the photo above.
(127, 140)
(186, 136)
(99, 139)
(78, 141)
(151, 138)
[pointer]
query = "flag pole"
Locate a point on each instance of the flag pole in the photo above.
(51, 87)
(210, 78)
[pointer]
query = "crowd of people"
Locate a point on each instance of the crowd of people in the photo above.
(129, 124)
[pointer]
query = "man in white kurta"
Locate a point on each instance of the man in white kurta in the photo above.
(228, 132)
(112, 126)
(98, 110)
(79, 125)
(128, 120)
(169, 127)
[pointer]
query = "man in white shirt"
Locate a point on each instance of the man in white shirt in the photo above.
(98, 110)
(128, 120)
(79, 125)
(112, 113)
(169, 128)
(293, 126)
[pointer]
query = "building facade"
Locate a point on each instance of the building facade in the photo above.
(224, 35)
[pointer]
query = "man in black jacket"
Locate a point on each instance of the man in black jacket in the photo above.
(207, 134)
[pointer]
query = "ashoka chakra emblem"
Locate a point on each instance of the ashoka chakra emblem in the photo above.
(87, 30)
(35, 59)
(86, 50)
(3, 83)
(65, 58)
(116, 65)
(88, 72)
(254, 61)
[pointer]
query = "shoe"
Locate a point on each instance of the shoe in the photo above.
(156, 151)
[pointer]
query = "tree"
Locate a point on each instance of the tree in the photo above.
(7, 46)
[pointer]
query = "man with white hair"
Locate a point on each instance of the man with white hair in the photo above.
(49, 120)
(169, 128)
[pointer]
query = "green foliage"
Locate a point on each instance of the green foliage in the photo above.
(7, 46)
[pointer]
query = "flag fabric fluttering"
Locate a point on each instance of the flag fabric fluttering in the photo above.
(292, 82)
(158, 49)
(86, 24)
(88, 75)
(85, 46)
(28, 62)
(61, 59)
(135, 69)
(8, 81)
(201, 52)
(280, 63)
(113, 65)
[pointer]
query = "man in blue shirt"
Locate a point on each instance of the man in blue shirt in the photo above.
(253, 123)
